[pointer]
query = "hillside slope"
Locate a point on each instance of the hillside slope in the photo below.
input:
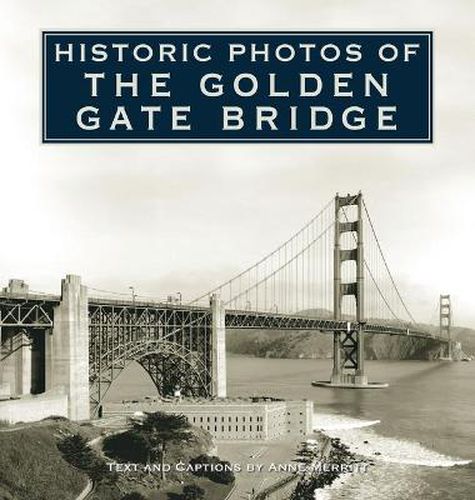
(32, 467)
(317, 345)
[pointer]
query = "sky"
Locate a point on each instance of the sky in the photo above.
(169, 218)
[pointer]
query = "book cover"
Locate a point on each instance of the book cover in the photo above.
(236, 250)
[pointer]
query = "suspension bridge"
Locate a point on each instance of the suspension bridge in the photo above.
(331, 276)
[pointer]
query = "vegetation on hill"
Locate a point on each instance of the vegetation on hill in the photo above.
(317, 345)
(193, 492)
(279, 344)
(134, 495)
(75, 451)
(159, 436)
(467, 337)
(52, 460)
(156, 444)
(33, 468)
(218, 471)
(148, 440)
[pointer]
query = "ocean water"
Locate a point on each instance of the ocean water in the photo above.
(419, 432)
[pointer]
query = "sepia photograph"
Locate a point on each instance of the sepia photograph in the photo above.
(236, 259)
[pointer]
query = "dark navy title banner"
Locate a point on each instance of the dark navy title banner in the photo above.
(237, 87)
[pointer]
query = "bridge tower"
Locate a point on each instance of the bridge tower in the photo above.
(445, 321)
(67, 350)
(218, 346)
(348, 347)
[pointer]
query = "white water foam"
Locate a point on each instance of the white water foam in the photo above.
(354, 432)
(329, 422)
(325, 493)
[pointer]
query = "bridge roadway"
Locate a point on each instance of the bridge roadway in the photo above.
(35, 310)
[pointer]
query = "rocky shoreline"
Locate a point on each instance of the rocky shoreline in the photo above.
(330, 460)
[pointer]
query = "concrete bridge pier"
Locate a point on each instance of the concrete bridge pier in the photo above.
(67, 349)
(16, 368)
(348, 359)
(23, 361)
(218, 343)
(348, 362)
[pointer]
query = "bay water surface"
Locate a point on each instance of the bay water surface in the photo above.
(419, 432)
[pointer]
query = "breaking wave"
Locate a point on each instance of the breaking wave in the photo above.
(329, 422)
(363, 440)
